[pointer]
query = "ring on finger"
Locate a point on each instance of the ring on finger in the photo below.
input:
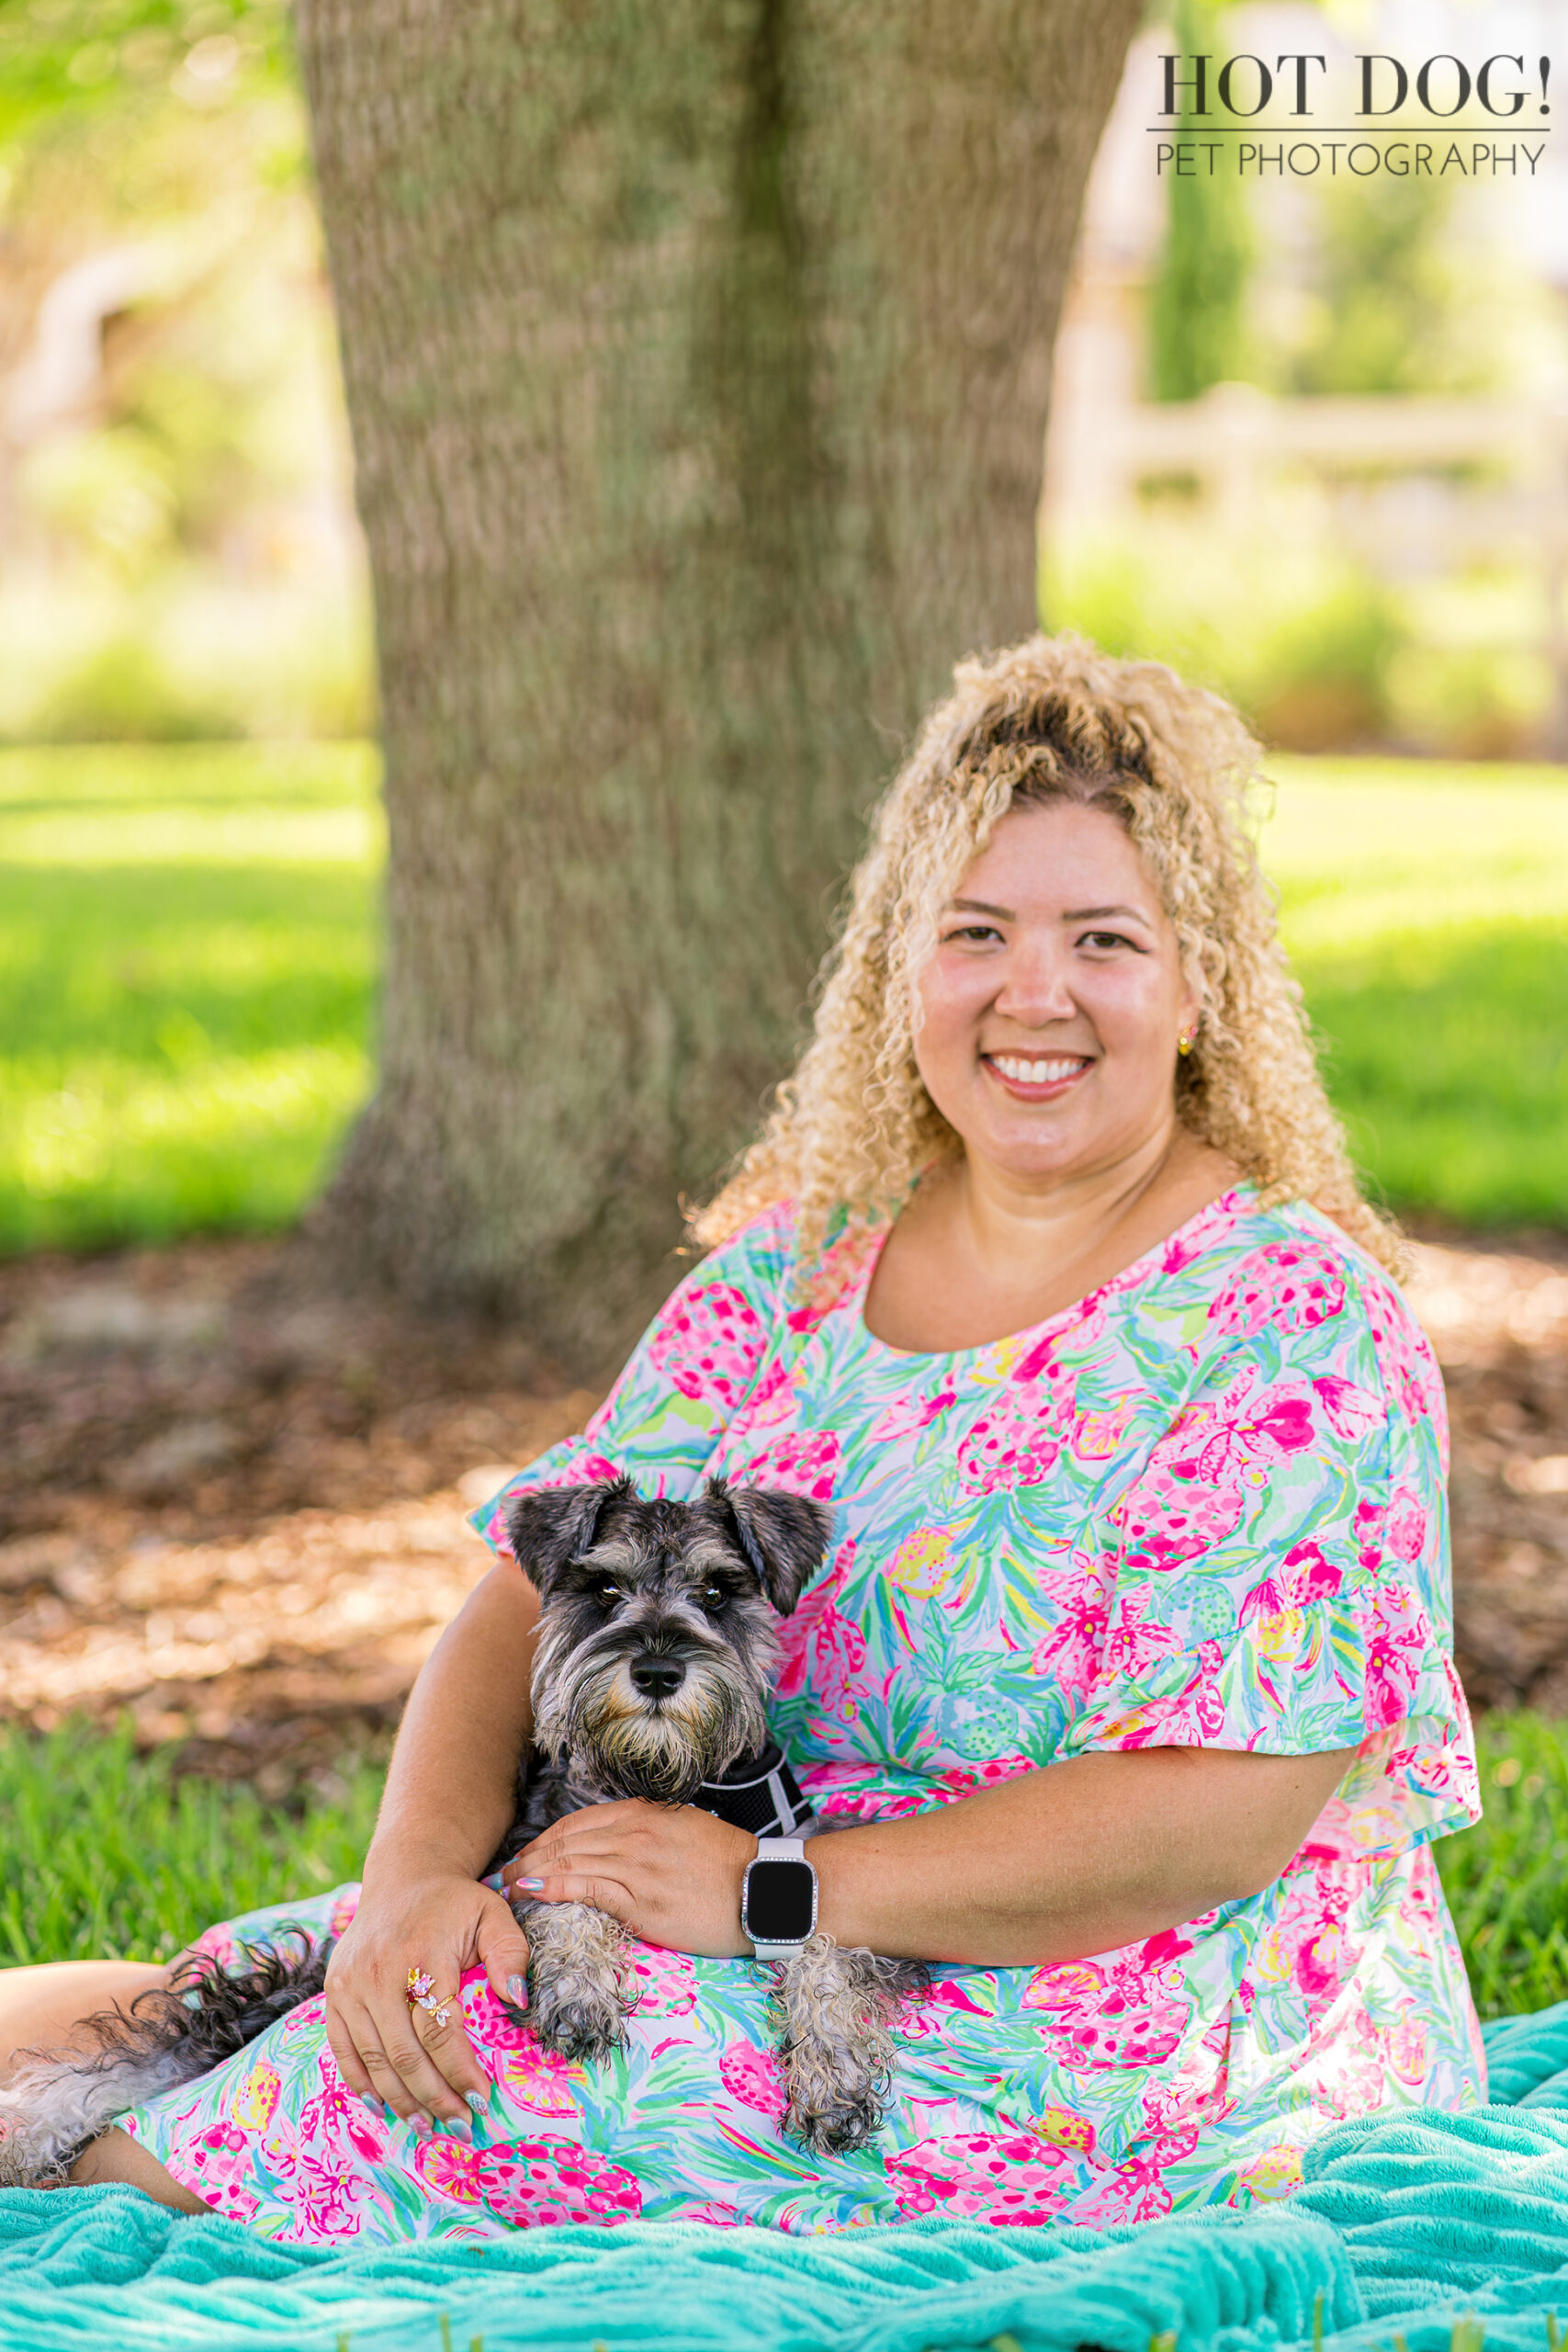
(421, 1993)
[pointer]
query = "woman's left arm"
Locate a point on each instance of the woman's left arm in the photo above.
(1083, 1857)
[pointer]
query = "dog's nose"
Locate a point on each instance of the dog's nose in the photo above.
(658, 1678)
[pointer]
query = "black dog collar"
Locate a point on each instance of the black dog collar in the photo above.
(759, 1794)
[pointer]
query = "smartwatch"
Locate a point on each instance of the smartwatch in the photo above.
(778, 1898)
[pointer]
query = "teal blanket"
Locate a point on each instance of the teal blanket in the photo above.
(1408, 2225)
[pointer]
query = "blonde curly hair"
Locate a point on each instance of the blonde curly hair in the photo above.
(1052, 719)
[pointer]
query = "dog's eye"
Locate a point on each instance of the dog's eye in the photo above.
(610, 1596)
(714, 1597)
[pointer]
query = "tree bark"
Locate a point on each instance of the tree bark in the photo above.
(697, 361)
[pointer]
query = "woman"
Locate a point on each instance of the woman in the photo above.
(1130, 1658)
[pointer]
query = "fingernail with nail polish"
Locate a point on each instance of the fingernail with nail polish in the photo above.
(476, 2101)
(526, 1885)
(515, 1988)
(424, 2124)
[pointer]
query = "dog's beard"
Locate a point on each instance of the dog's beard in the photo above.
(591, 1718)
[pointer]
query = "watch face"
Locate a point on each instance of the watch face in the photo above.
(779, 1902)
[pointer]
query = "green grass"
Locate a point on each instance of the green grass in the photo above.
(188, 945)
(107, 1854)
(188, 953)
(1425, 909)
(1507, 1880)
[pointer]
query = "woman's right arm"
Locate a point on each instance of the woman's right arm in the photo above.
(450, 1795)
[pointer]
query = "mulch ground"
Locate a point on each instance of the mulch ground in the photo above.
(231, 1504)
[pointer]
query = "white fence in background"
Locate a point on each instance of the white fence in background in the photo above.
(1415, 485)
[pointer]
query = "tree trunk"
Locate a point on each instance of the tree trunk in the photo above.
(697, 360)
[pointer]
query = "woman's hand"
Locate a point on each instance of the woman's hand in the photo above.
(671, 1875)
(429, 1916)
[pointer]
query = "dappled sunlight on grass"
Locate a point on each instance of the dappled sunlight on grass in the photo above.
(1426, 908)
(122, 1151)
(110, 1857)
(187, 956)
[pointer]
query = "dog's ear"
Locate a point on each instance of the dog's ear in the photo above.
(783, 1537)
(555, 1525)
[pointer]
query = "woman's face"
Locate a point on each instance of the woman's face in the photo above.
(1052, 1001)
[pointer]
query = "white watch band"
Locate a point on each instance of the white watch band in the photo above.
(778, 1849)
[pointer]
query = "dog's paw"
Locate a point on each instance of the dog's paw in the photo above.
(580, 1993)
(849, 2119)
(582, 2021)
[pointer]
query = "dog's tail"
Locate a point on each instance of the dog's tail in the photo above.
(55, 2102)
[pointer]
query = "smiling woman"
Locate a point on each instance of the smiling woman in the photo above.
(1125, 1680)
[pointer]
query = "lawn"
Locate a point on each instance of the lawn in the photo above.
(187, 954)
(188, 950)
(1426, 908)
(110, 1853)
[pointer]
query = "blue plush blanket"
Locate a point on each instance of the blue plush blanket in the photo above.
(1408, 2225)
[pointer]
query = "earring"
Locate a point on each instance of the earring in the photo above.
(1184, 1043)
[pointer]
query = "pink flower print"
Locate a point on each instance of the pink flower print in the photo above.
(489, 2026)
(1131, 1645)
(667, 1982)
(823, 1651)
(1406, 2044)
(308, 2014)
(1125, 2012)
(1304, 1577)
(1292, 1285)
(221, 2153)
(838, 1269)
(804, 1464)
(709, 1344)
(511, 2054)
(218, 1945)
(447, 2167)
(1278, 1424)
(1405, 1359)
(1164, 1518)
(755, 2078)
(540, 2080)
(1368, 1528)
(1009, 2179)
(920, 2015)
(327, 2188)
(907, 1416)
(1352, 1412)
(1394, 1635)
(536, 2184)
(1095, 1436)
(335, 2115)
(1406, 1525)
(1136, 2190)
(343, 1910)
(771, 1399)
(1012, 1444)
(235, 2204)
(1071, 1652)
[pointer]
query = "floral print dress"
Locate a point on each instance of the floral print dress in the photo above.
(1204, 1507)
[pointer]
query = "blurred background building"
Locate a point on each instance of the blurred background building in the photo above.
(1310, 435)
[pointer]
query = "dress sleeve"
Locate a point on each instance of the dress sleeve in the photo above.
(1277, 1569)
(699, 1359)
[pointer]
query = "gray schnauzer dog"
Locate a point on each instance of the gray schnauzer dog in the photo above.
(657, 1649)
